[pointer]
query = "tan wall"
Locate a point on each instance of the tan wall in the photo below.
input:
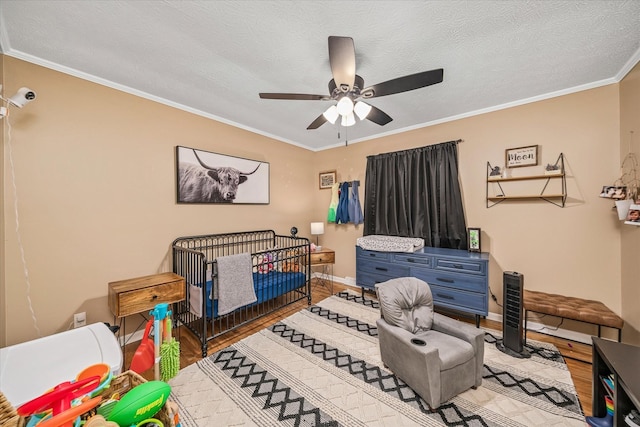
(96, 193)
(630, 236)
(3, 299)
(95, 174)
(573, 251)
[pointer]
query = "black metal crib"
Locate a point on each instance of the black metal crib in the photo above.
(281, 276)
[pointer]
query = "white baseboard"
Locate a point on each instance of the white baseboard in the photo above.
(351, 282)
(137, 335)
(542, 328)
(531, 326)
(134, 337)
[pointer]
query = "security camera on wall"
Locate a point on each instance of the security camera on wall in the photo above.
(22, 97)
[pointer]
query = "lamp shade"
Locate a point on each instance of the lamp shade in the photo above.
(317, 228)
(345, 106)
(331, 114)
(348, 120)
(362, 110)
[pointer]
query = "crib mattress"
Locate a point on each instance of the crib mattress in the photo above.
(267, 286)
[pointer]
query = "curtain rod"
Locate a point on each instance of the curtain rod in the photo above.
(457, 141)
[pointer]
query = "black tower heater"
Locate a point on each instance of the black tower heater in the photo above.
(513, 316)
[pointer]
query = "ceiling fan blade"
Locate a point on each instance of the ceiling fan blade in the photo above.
(404, 84)
(378, 116)
(342, 57)
(317, 122)
(295, 96)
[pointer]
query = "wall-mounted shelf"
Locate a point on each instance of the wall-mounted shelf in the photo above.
(556, 198)
(525, 178)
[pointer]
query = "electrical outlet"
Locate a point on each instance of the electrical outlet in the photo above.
(79, 319)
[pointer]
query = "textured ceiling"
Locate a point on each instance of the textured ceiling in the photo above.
(214, 57)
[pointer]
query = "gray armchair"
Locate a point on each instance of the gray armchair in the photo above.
(437, 356)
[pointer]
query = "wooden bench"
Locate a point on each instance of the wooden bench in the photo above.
(565, 307)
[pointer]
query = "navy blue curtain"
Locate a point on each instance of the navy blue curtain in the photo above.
(416, 193)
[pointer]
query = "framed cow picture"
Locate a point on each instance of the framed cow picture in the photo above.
(206, 177)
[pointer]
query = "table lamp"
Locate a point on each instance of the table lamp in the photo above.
(317, 228)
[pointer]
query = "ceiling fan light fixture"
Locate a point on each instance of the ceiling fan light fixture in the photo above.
(331, 114)
(348, 120)
(345, 106)
(362, 110)
(346, 88)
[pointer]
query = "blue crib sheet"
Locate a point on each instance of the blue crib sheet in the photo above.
(267, 286)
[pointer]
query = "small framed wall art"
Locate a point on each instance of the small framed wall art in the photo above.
(473, 239)
(327, 179)
(521, 156)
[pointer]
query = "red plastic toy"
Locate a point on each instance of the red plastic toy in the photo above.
(59, 398)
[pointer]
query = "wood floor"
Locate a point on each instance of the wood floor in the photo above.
(577, 355)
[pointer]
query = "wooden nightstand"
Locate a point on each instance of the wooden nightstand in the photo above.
(324, 258)
(142, 294)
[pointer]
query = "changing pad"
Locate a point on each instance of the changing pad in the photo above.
(376, 242)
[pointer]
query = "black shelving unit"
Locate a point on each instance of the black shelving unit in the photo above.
(622, 363)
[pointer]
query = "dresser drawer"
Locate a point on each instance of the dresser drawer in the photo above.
(410, 259)
(127, 297)
(374, 255)
(464, 282)
(385, 268)
(460, 266)
(459, 300)
(369, 280)
(323, 258)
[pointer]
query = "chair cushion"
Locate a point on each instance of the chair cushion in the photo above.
(451, 350)
(406, 302)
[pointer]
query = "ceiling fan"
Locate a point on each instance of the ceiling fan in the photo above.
(346, 87)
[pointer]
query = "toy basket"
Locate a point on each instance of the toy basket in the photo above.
(127, 380)
(120, 384)
(8, 415)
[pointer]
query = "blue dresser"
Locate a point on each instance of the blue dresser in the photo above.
(459, 280)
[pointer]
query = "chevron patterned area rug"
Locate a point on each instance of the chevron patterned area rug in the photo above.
(321, 367)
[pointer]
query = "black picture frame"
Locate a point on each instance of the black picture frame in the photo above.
(204, 177)
(474, 239)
